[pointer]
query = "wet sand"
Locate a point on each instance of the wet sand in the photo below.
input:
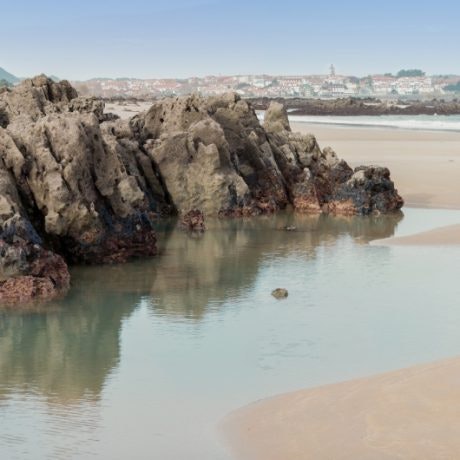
(444, 236)
(407, 414)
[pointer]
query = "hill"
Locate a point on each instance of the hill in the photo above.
(10, 78)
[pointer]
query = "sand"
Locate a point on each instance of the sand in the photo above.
(127, 109)
(407, 414)
(444, 236)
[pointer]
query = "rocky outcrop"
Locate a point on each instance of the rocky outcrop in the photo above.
(80, 185)
(70, 185)
(358, 106)
(318, 181)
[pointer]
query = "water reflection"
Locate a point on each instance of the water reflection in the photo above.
(59, 359)
(66, 351)
(196, 273)
(65, 354)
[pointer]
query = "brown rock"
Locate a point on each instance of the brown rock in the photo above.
(280, 293)
(193, 221)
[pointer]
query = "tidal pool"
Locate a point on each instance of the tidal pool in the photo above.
(141, 361)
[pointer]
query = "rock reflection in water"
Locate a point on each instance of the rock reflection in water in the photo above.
(67, 350)
(67, 353)
(197, 272)
(55, 361)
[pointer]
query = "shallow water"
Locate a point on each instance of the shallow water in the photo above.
(142, 360)
(415, 122)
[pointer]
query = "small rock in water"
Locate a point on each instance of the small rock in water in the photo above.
(280, 293)
(193, 221)
(290, 228)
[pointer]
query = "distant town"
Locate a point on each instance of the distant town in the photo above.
(406, 84)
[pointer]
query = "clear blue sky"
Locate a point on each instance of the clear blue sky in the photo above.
(178, 38)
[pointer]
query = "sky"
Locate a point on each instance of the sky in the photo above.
(83, 39)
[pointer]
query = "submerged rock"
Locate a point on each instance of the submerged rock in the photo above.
(280, 293)
(78, 185)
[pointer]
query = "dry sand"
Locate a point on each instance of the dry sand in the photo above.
(407, 414)
(127, 109)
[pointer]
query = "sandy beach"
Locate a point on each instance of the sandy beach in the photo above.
(406, 414)
(444, 236)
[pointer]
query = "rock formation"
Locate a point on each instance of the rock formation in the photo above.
(351, 106)
(80, 185)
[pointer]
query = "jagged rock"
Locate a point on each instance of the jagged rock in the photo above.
(88, 105)
(276, 118)
(78, 185)
(197, 171)
(213, 155)
(72, 185)
(35, 97)
(368, 190)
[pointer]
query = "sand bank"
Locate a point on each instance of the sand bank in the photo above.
(407, 414)
(438, 237)
(424, 165)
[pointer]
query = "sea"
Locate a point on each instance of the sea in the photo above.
(417, 122)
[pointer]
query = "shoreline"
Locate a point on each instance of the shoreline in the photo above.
(380, 417)
(384, 416)
(439, 236)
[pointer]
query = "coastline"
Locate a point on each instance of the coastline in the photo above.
(442, 236)
(406, 413)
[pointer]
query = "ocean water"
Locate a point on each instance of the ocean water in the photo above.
(416, 122)
(142, 360)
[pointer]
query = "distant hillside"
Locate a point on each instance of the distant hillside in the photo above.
(10, 78)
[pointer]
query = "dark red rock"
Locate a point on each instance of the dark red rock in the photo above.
(39, 275)
(193, 221)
